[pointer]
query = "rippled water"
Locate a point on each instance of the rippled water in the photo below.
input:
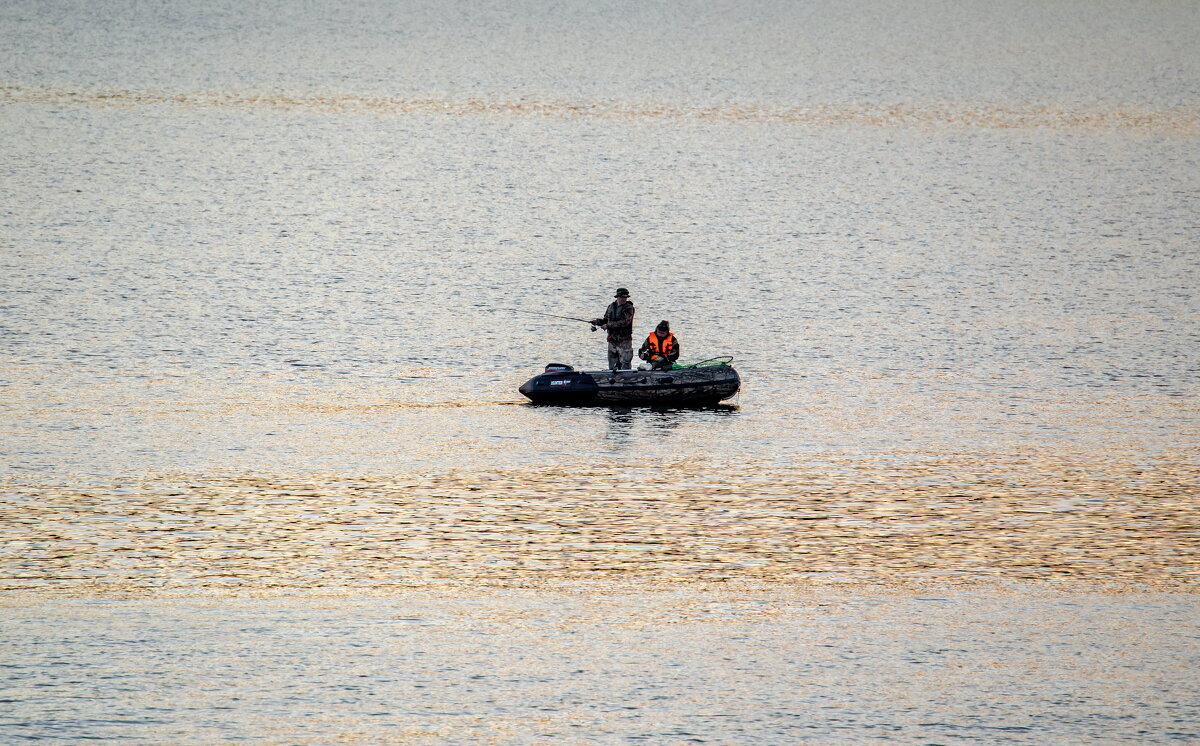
(257, 268)
(731, 666)
(948, 519)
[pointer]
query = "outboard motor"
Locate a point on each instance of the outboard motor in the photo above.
(558, 368)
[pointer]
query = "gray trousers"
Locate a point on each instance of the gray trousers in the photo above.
(620, 354)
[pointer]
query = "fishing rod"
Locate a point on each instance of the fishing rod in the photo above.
(551, 315)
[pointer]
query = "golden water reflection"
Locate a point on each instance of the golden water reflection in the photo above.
(1183, 120)
(942, 518)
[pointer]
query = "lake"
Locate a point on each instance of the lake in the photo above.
(264, 275)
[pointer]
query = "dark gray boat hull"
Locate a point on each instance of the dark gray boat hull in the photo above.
(650, 388)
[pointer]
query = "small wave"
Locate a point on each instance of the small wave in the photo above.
(1176, 120)
(332, 407)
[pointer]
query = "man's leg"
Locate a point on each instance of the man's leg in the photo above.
(614, 356)
(626, 347)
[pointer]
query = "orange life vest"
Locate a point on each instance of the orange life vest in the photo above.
(660, 346)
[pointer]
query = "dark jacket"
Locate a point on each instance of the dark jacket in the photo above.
(619, 320)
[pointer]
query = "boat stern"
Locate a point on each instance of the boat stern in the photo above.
(560, 385)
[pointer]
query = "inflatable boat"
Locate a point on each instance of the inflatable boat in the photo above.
(698, 384)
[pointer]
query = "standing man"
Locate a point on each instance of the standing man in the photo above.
(618, 322)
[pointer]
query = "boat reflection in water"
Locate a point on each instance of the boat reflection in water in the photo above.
(701, 384)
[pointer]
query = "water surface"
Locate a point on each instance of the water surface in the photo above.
(256, 272)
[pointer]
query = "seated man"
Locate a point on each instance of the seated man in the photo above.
(660, 348)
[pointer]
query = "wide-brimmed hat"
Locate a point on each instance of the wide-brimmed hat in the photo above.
(621, 293)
